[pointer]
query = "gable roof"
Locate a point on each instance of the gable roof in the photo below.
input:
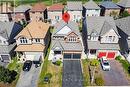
(124, 3)
(34, 30)
(109, 4)
(101, 25)
(91, 5)
(38, 7)
(74, 5)
(72, 25)
(124, 24)
(22, 8)
(56, 7)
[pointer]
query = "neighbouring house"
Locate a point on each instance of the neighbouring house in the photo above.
(38, 12)
(66, 41)
(8, 30)
(125, 5)
(21, 13)
(101, 37)
(32, 41)
(108, 8)
(123, 26)
(6, 11)
(91, 9)
(74, 8)
(55, 13)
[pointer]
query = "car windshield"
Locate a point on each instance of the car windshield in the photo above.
(106, 63)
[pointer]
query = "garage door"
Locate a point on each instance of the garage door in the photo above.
(102, 54)
(72, 56)
(111, 55)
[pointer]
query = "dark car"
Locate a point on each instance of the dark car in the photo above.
(27, 65)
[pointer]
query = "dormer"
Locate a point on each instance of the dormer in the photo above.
(94, 36)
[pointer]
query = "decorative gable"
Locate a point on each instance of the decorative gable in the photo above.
(65, 30)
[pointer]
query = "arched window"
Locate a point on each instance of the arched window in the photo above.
(23, 40)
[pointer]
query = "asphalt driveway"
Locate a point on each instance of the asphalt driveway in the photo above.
(116, 76)
(29, 79)
(72, 74)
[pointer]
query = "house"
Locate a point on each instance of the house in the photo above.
(38, 12)
(6, 11)
(108, 8)
(32, 41)
(123, 26)
(55, 13)
(22, 13)
(74, 8)
(101, 37)
(91, 9)
(125, 5)
(66, 41)
(8, 30)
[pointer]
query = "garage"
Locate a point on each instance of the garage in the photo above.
(108, 55)
(72, 56)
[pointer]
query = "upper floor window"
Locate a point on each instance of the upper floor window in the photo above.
(72, 39)
(23, 40)
(110, 38)
(0, 41)
(93, 38)
(37, 40)
(57, 17)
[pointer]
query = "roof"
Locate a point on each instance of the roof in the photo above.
(56, 7)
(22, 8)
(74, 5)
(38, 7)
(124, 24)
(5, 49)
(101, 25)
(109, 5)
(72, 25)
(124, 3)
(30, 47)
(66, 46)
(35, 30)
(91, 5)
(104, 46)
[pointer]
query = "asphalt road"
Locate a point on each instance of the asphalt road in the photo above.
(116, 76)
(29, 79)
(72, 74)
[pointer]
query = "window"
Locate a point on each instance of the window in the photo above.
(93, 38)
(23, 40)
(110, 38)
(74, 16)
(72, 39)
(33, 12)
(0, 41)
(37, 40)
(57, 17)
(93, 51)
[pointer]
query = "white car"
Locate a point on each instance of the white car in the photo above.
(105, 64)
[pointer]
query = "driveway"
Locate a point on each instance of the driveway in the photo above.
(116, 76)
(29, 79)
(72, 74)
(3, 64)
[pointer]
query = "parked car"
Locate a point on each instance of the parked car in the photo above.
(105, 64)
(27, 65)
(37, 63)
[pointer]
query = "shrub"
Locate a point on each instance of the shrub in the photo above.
(118, 58)
(94, 62)
(99, 81)
(49, 75)
(58, 62)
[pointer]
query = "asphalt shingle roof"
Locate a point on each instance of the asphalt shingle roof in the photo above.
(22, 8)
(74, 5)
(124, 3)
(109, 5)
(91, 5)
(124, 24)
(56, 7)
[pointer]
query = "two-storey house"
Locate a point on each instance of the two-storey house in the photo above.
(8, 30)
(6, 11)
(38, 12)
(21, 13)
(123, 26)
(91, 9)
(66, 41)
(125, 5)
(108, 8)
(74, 8)
(101, 37)
(32, 41)
(55, 13)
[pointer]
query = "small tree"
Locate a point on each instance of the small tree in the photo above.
(124, 14)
